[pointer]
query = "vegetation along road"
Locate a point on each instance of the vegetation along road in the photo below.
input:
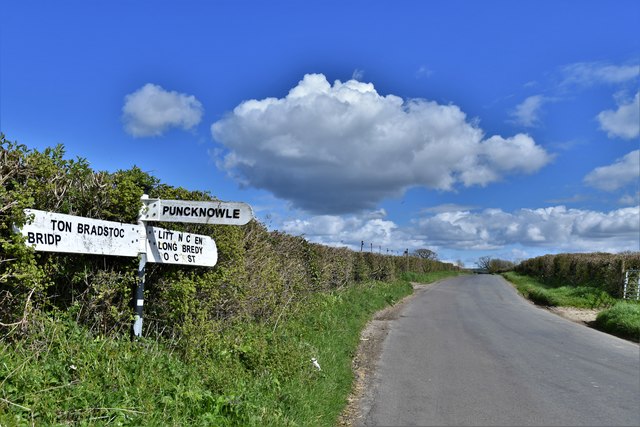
(471, 351)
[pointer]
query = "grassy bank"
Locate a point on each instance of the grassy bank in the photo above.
(248, 374)
(562, 296)
(617, 317)
(623, 320)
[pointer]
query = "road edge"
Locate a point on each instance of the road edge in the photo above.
(569, 313)
(367, 355)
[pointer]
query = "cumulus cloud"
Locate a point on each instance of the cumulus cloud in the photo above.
(151, 110)
(528, 112)
(590, 73)
(615, 176)
(347, 231)
(553, 229)
(344, 147)
(623, 122)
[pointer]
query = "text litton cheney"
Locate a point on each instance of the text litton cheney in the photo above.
(176, 246)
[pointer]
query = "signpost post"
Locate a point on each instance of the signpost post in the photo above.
(138, 298)
(55, 232)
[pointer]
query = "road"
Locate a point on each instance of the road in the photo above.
(471, 351)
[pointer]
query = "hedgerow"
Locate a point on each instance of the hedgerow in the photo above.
(259, 276)
(599, 270)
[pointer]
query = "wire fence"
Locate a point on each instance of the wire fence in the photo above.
(387, 251)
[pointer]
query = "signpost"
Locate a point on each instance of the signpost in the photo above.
(55, 232)
(177, 247)
(228, 213)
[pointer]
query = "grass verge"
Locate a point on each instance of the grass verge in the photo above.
(561, 296)
(623, 320)
(245, 374)
(618, 317)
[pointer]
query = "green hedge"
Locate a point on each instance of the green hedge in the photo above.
(600, 270)
(258, 276)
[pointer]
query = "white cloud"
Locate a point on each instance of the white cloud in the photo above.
(555, 228)
(348, 231)
(343, 147)
(519, 153)
(357, 74)
(589, 73)
(630, 200)
(623, 122)
(528, 112)
(551, 230)
(615, 176)
(151, 110)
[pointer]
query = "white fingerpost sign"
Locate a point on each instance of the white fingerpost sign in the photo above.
(217, 212)
(177, 247)
(55, 232)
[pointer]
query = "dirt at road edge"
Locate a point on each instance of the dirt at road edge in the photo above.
(579, 315)
(364, 363)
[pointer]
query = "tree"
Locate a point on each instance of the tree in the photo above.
(426, 254)
(494, 265)
(484, 262)
(500, 266)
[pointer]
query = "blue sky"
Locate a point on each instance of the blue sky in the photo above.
(500, 128)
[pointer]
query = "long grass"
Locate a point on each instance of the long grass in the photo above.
(62, 374)
(250, 374)
(623, 319)
(561, 296)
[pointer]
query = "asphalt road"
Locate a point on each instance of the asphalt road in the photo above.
(471, 351)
